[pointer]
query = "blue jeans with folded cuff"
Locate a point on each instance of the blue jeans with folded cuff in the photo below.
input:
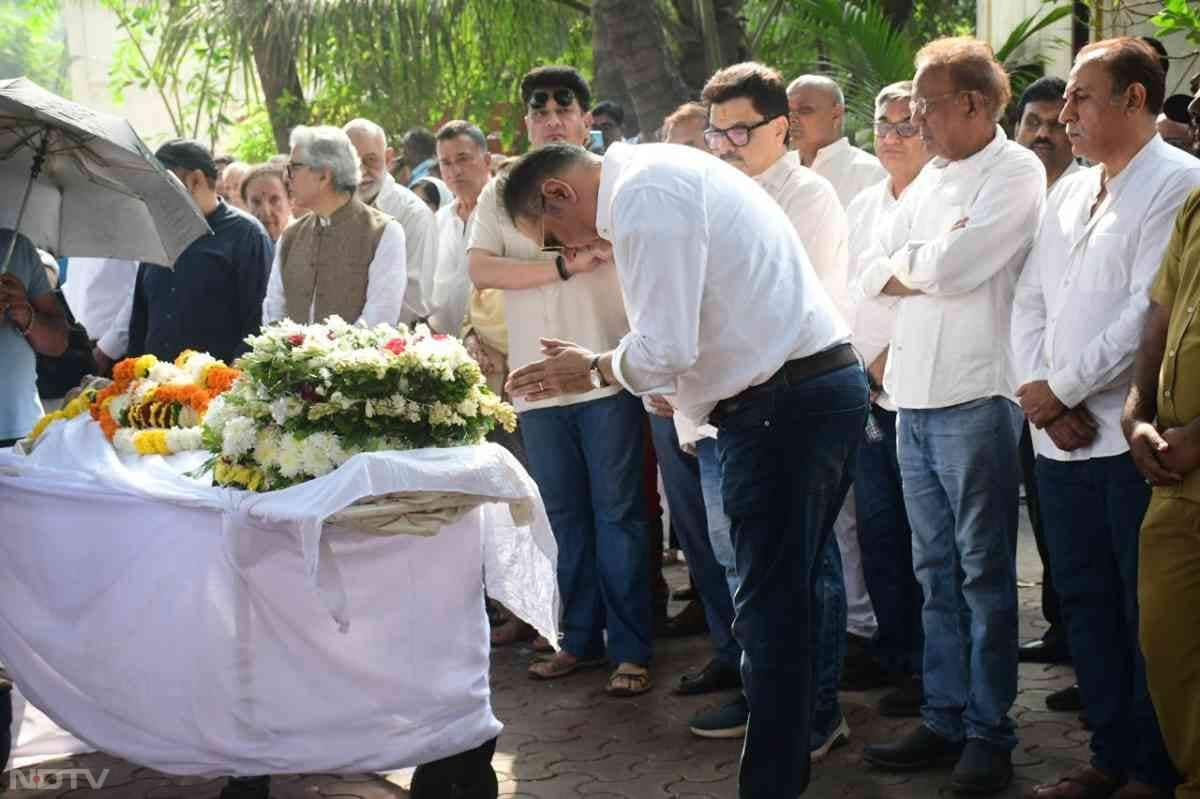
(786, 453)
(886, 541)
(1093, 513)
(685, 497)
(960, 470)
(586, 459)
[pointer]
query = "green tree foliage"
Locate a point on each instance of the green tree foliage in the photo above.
(33, 43)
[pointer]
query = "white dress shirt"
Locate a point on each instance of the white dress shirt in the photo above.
(812, 205)
(1082, 300)
(421, 244)
(452, 280)
(95, 291)
(719, 289)
(587, 309)
(386, 279)
(873, 319)
(848, 168)
(1072, 168)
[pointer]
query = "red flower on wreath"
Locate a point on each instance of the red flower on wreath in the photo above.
(296, 339)
(308, 393)
(396, 346)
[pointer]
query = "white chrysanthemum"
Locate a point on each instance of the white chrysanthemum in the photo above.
(184, 439)
(117, 405)
(289, 459)
(123, 440)
(266, 445)
(218, 414)
(197, 365)
(239, 438)
(469, 407)
(165, 373)
(285, 408)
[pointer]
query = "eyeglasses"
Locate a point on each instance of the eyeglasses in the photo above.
(736, 135)
(921, 105)
(291, 166)
(905, 130)
(553, 246)
(540, 97)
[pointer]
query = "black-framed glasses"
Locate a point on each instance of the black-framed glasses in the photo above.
(736, 135)
(291, 166)
(905, 130)
(540, 97)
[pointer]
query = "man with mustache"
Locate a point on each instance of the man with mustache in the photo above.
(1038, 128)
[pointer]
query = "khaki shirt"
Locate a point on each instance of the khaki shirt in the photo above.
(1178, 287)
(588, 309)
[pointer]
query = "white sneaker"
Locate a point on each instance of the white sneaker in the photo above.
(839, 737)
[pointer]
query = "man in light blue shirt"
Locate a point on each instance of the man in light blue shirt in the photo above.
(31, 323)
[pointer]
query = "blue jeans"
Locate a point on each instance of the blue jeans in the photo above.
(786, 453)
(960, 472)
(718, 522)
(681, 481)
(886, 543)
(1093, 511)
(587, 461)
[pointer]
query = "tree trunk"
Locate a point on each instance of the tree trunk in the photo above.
(609, 83)
(275, 60)
(898, 11)
(636, 43)
(731, 28)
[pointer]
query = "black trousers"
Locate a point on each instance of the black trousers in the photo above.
(1051, 610)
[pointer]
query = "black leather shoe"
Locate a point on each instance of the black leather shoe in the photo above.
(1068, 700)
(860, 670)
(689, 621)
(905, 701)
(247, 788)
(922, 748)
(983, 769)
(715, 676)
(1047, 649)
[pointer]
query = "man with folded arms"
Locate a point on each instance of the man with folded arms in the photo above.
(1080, 306)
(953, 251)
(729, 321)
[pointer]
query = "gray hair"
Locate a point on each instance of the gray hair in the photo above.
(366, 127)
(826, 84)
(327, 147)
(891, 93)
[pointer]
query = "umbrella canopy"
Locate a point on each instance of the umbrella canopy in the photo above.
(99, 192)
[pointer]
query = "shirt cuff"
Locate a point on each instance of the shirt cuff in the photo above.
(626, 379)
(1068, 390)
(113, 344)
(875, 277)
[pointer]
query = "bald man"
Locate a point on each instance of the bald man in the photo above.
(379, 190)
(816, 116)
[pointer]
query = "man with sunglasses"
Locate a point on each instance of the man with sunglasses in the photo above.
(748, 129)
(585, 450)
(883, 529)
(953, 251)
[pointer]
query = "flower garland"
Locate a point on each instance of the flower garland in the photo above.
(152, 407)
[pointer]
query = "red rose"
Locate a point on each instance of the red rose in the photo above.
(396, 346)
(296, 339)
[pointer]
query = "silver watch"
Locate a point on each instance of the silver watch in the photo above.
(596, 375)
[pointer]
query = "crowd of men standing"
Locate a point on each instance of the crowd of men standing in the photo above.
(844, 365)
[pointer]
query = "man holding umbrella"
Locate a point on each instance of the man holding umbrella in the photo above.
(31, 323)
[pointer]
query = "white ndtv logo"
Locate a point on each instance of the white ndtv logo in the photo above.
(56, 778)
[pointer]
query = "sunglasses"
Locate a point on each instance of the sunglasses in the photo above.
(905, 130)
(737, 135)
(540, 97)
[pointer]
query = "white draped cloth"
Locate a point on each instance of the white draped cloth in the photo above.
(188, 628)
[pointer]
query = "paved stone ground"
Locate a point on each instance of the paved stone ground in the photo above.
(566, 739)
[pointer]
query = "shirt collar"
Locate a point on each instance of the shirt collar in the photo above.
(778, 171)
(980, 160)
(831, 151)
(1148, 154)
(616, 159)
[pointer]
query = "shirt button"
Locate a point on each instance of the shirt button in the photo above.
(1167, 393)
(1171, 354)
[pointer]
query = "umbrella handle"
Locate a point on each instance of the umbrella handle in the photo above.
(39, 158)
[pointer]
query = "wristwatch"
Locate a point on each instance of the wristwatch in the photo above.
(596, 375)
(560, 263)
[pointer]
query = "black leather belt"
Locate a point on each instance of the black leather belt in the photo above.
(791, 373)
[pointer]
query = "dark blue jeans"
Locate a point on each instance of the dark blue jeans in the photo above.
(786, 456)
(587, 461)
(681, 481)
(885, 539)
(1093, 511)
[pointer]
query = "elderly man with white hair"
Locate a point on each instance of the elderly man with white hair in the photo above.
(344, 257)
(378, 189)
(816, 118)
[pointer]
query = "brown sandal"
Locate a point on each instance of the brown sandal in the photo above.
(629, 679)
(1085, 782)
(540, 644)
(560, 665)
(513, 631)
